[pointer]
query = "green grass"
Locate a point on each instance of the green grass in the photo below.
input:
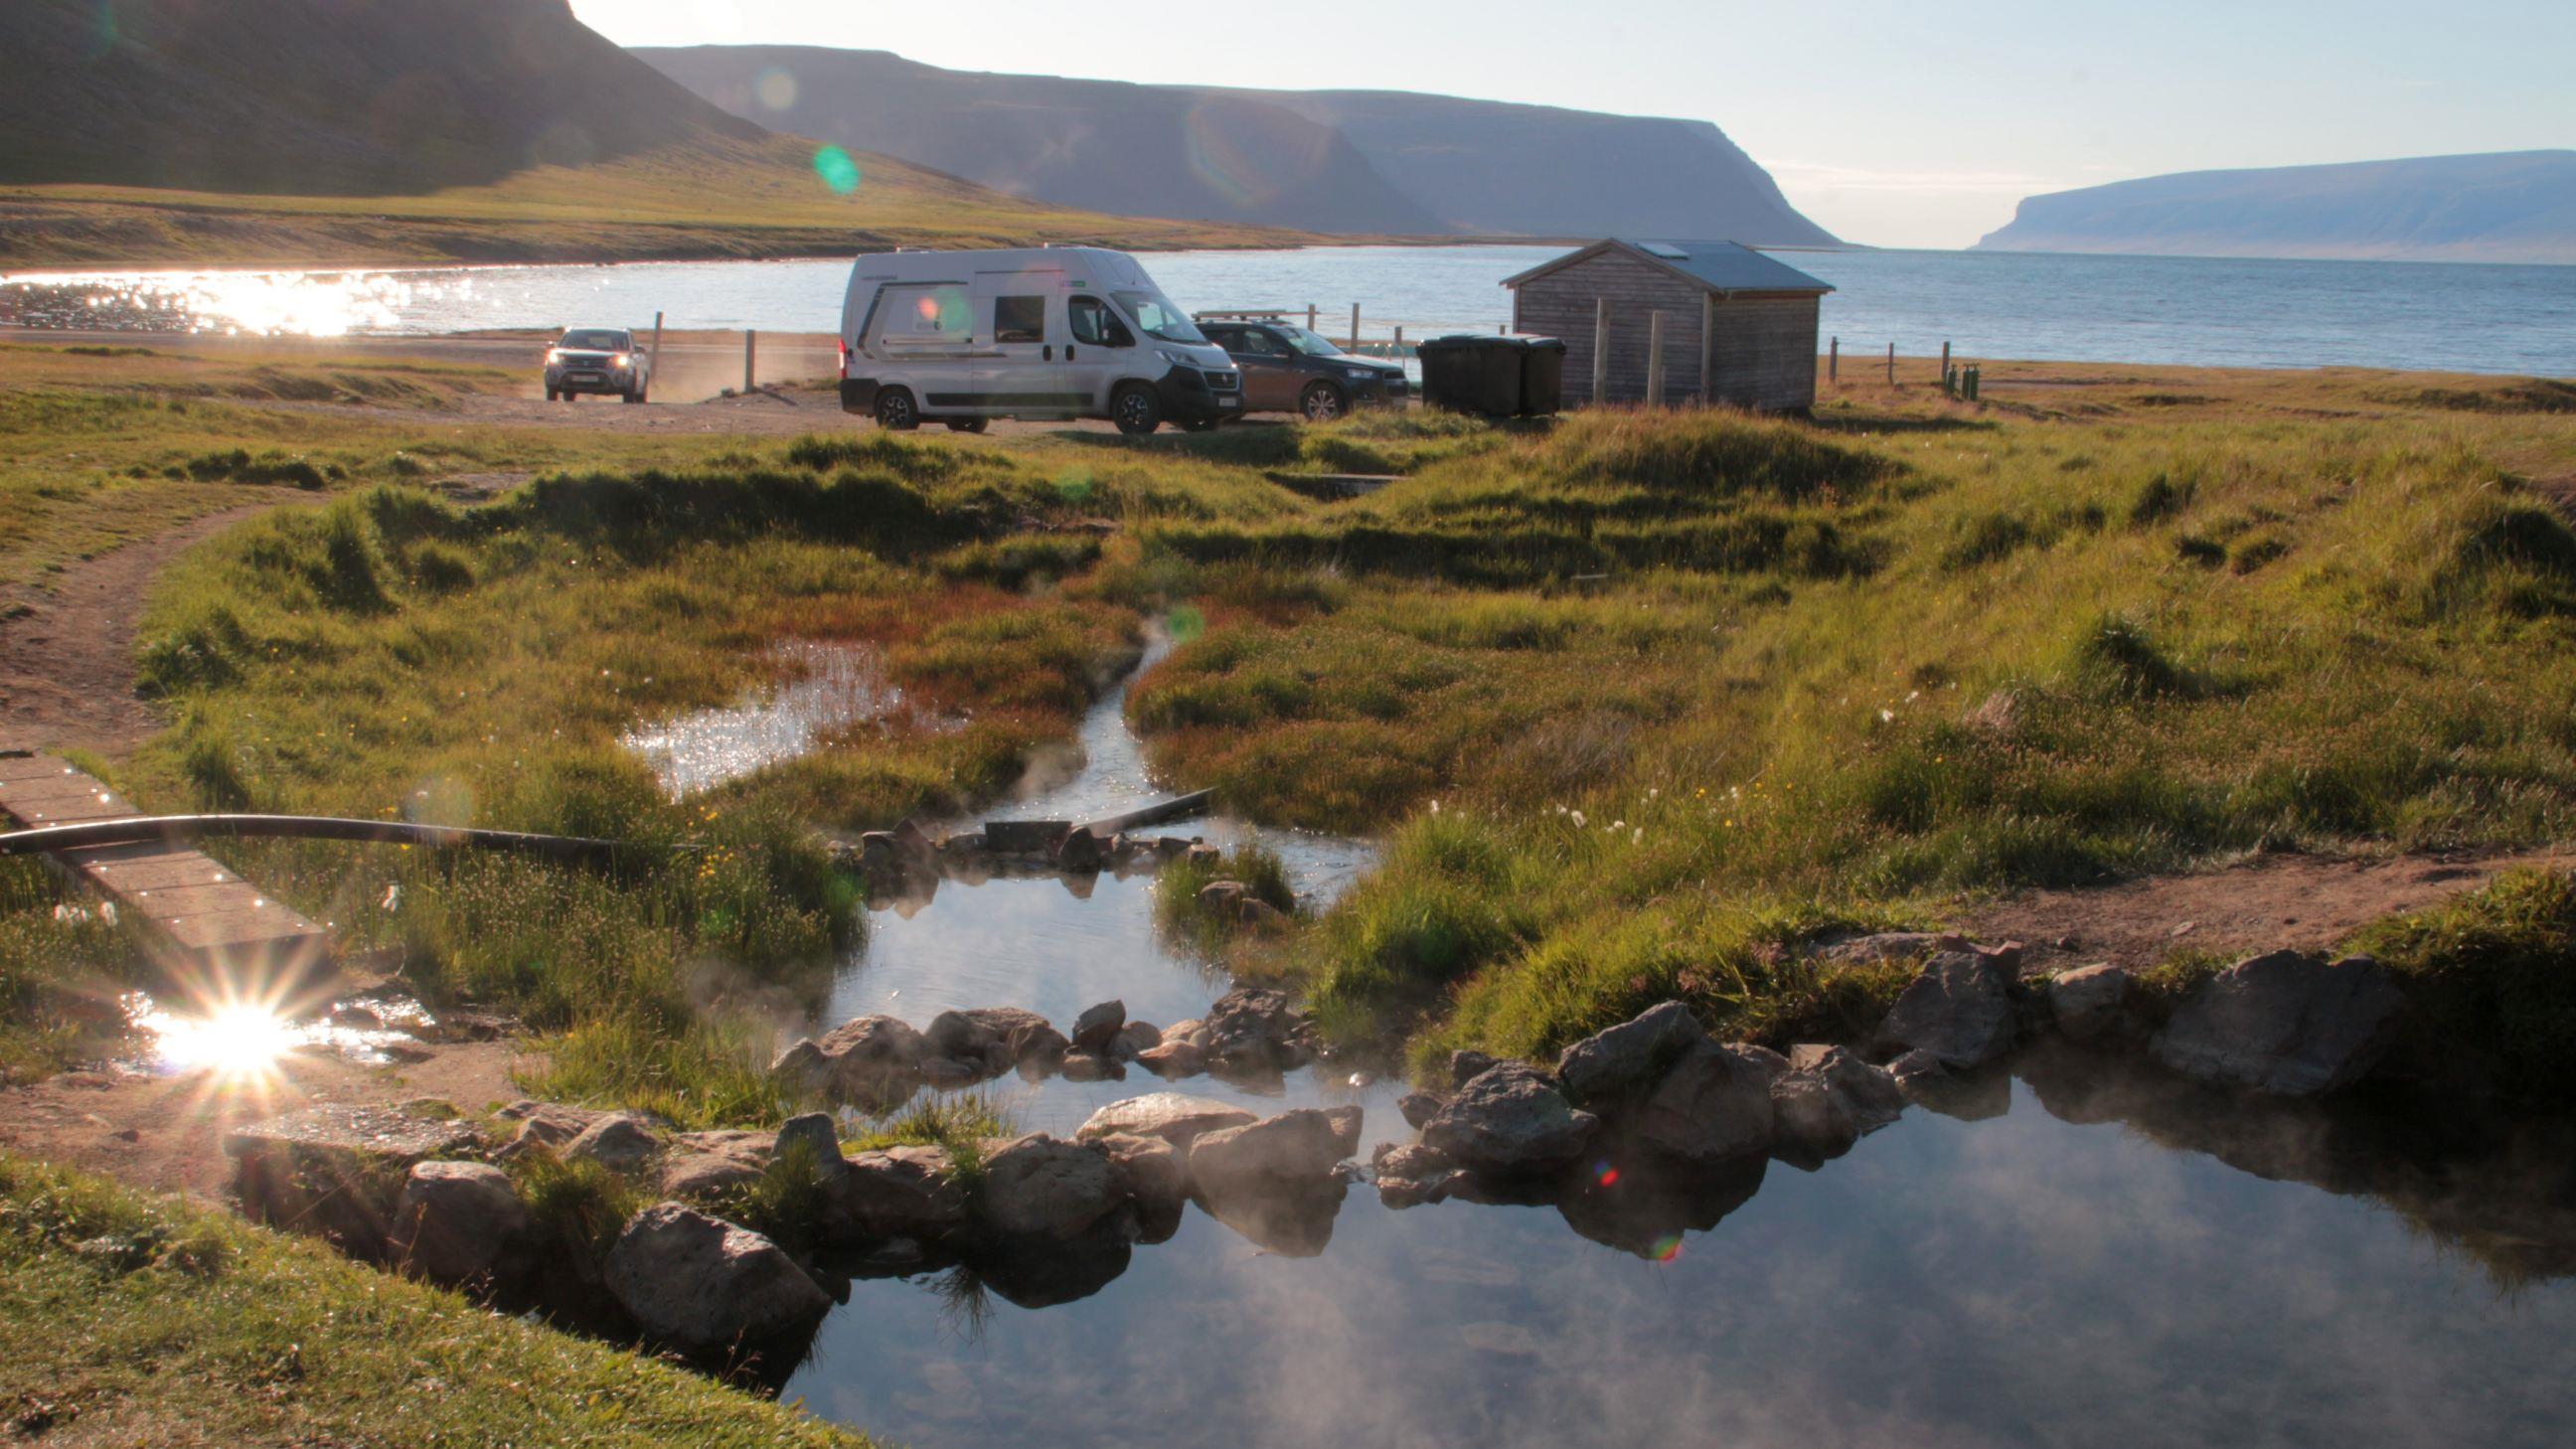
(2494, 971)
(713, 198)
(1855, 672)
(193, 1328)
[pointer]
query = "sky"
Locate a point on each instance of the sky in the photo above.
(1890, 122)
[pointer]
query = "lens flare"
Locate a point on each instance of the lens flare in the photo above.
(838, 171)
(1666, 1248)
(1605, 1175)
(1073, 485)
(775, 88)
(239, 1039)
(1185, 624)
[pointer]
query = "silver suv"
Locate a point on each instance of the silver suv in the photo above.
(603, 360)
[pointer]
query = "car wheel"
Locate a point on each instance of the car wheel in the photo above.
(968, 425)
(1323, 402)
(633, 398)
(896, 411)
(1136, 410)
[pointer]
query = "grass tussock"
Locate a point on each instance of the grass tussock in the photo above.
(2495, 971)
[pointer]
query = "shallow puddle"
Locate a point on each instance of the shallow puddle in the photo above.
(2067, 1269)
(830, 687)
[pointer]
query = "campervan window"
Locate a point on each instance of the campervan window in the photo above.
(1019, 319)
(935, 313)
(1159, 319)
(1090, 320)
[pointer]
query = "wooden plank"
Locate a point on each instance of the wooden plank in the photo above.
(206, 913)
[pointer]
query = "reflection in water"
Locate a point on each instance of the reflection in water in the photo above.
(833, 686)
(2025, 1263)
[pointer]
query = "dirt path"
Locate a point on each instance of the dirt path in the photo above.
(67, 653)
(166, 1132)
(2304, 902)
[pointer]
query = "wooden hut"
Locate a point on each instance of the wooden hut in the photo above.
(1737, 326)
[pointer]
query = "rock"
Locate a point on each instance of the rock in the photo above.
(1646, 1208)
(1083, 1066)
(337, 1171)
(1410, 1174)
(1510, 1120)
(1157, 1178)
(1715, 1104)
(1625, 1061)
(2088, 1001)
(915, 847)
(1959, 1009)
(1173, 1059)
(1041, 1186)
(802, 1066)
(1301, 1145)
(947, 1074)
(1417, 1108)
(1134, 1040)
(818, 1136)
(1772, 1062)
(456, 1222)
(545, 1125)
(907, 1192)
(1260, 915)
(620, 1142)
(1255, 1027)
(692, 1175)
(1886, 946)
(1465, 1067)
(1173, 1117)
(1098, 1025)
(868, 1052)
(1190, 1031)
(2287, 1024)
(1915, 1066)
(702, 1284)
(1220, 897)
(961, 845)
(1081, 851)
(1288, 1217)
(1206, 857)
(1005, 1034)
(1828, 1100)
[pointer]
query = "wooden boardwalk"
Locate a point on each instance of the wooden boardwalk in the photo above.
(214, 925)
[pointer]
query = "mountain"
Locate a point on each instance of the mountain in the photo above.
(324, 97)
(364, 132)
(1341, 161)
(2512, 206)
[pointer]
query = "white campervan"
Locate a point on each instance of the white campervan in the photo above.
(1050, 332)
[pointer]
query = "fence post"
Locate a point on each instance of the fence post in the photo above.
(1834, 360)
(750, 356)
(1655, 359)
(1310, 316)
(1891, 364)
(1707, 346)
(1945, 357)
(1355, 327)
(1398, 354)
(1600, 349)
(657, 342)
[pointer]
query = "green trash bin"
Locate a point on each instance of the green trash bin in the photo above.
(1542, 375)
(1470, 373)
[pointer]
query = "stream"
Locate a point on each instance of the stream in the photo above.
(2069, 1255)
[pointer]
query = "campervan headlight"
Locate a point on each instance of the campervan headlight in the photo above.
(1176, 357)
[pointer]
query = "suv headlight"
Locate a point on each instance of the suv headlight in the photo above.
(554, 357)
(1175, 357)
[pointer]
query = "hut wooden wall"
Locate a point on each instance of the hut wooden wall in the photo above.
(1765, 349)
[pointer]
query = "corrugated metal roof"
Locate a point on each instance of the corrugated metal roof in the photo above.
(1721, 266)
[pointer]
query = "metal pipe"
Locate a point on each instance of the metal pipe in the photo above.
(1181, 808)
(140, 829)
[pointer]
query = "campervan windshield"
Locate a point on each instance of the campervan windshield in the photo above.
(1159, 319)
